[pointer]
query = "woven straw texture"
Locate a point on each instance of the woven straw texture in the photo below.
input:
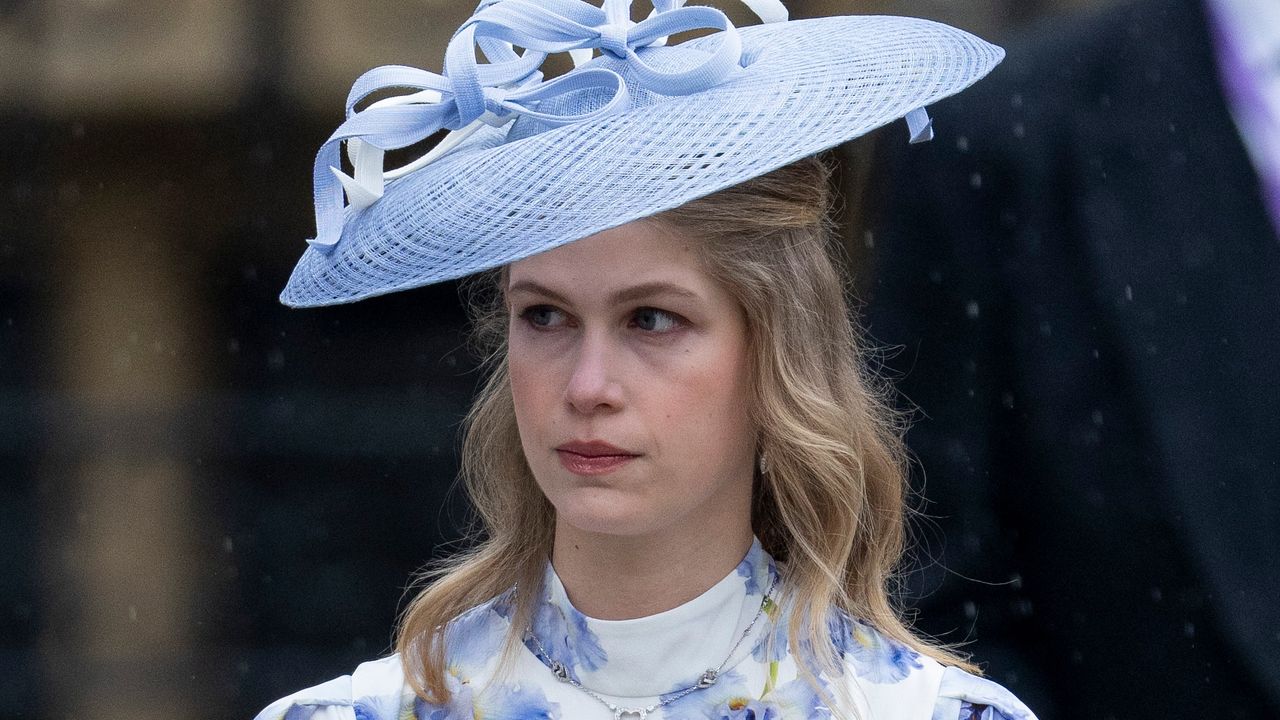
(510, 192)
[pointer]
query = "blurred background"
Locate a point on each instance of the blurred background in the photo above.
(208, 500)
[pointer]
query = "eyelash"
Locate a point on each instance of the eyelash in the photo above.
(677, 321)
(527, 314)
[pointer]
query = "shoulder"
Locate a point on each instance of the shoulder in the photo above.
(378, 690)
(375, 691)
(895, 681)
(962, 696)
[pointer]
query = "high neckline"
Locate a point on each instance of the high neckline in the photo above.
(656, 654)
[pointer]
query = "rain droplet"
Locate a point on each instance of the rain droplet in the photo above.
(971, 310)
(1097, 418)
(133, 613)
(975, 181)
(1128, 293)
(869, 239)
(227, 544)
(962, 143)
(1019, 130)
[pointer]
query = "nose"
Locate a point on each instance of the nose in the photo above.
(593, 385)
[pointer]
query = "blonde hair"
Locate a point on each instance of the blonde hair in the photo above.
(831, 507)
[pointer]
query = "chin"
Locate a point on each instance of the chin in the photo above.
(605, 513)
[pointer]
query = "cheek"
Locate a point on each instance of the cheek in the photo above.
(537, 374)
(529, 385)
(711, 402)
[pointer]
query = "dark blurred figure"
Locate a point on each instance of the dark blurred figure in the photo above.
(1083, 274)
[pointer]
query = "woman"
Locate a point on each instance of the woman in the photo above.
(692, 495)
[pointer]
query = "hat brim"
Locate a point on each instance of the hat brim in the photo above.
(806, 86)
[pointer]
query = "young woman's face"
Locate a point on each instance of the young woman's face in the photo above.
(629, 374)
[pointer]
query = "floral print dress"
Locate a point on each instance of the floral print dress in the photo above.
(650, 661)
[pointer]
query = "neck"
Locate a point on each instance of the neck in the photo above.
(611, 577)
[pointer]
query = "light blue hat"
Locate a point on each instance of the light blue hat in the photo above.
(634, 129)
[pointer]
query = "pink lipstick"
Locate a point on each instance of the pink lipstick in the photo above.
(593, 457)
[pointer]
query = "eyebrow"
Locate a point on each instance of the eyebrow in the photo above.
(625, 295)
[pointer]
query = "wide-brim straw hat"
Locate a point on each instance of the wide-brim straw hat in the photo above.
(640, 128)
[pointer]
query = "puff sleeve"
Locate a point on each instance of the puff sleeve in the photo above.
(375, 691)
(962, 696)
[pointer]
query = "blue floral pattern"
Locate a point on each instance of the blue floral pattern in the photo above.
(474, 639)
(757, 570)
(772, 646)
(731, 699)
(565, 635)
(497, 702)
(765, 683)
(874, 657)
(380, 706)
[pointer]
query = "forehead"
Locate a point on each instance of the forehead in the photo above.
(627, 255)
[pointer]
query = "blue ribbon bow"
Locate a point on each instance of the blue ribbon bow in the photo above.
(470, 94)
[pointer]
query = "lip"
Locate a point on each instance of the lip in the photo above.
(593, 457)
(592, 448)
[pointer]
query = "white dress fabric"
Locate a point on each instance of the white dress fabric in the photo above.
(639, 663)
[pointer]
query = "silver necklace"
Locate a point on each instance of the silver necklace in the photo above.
(706, 680)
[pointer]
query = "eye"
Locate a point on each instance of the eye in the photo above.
(655, 320)
(542, 316)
